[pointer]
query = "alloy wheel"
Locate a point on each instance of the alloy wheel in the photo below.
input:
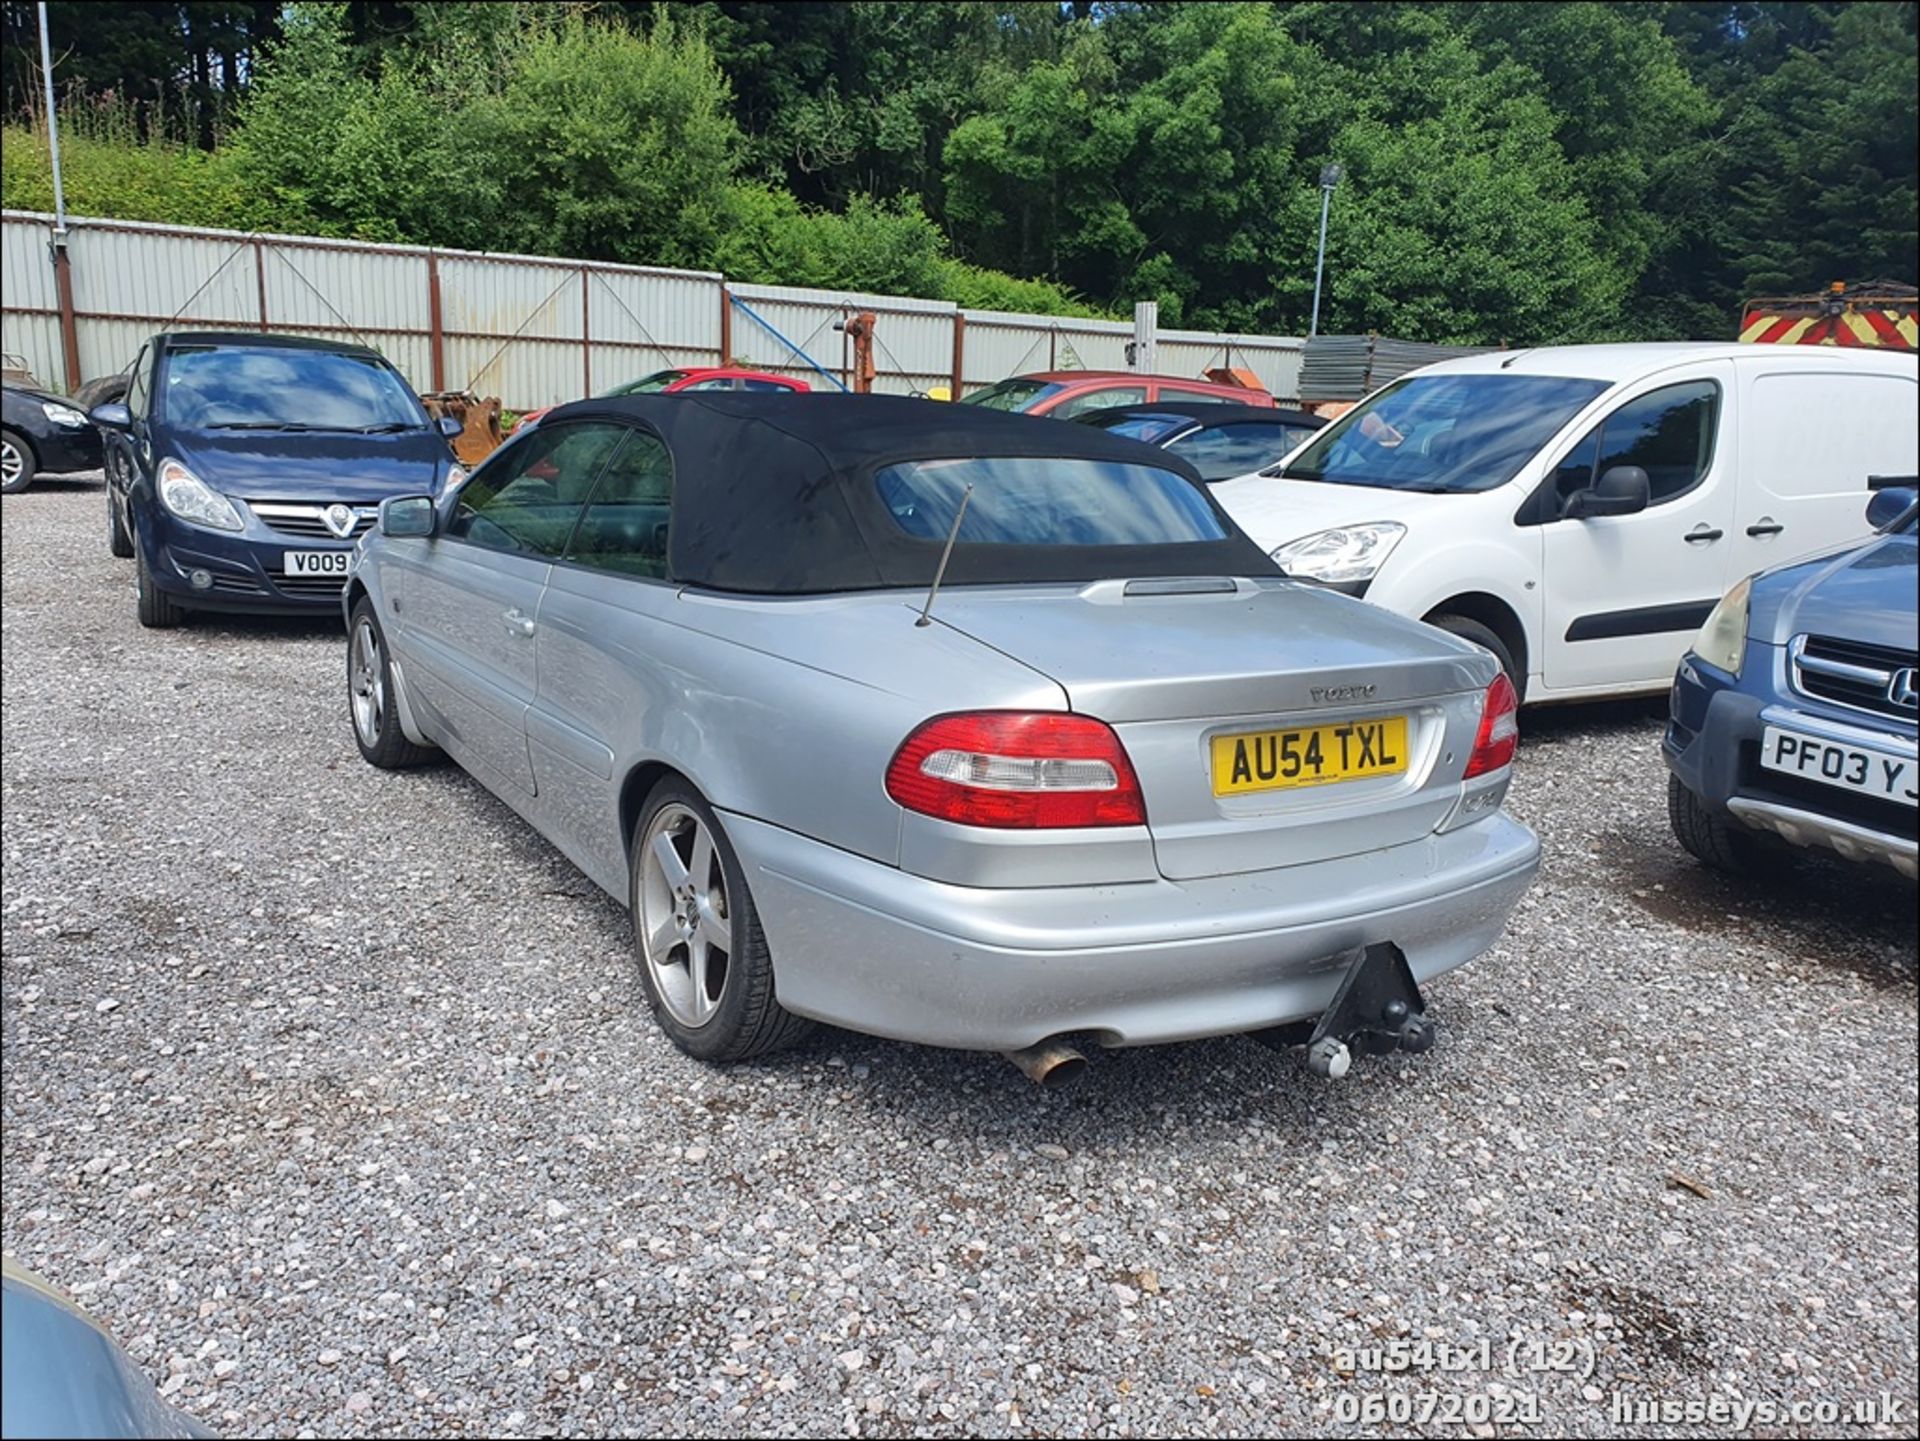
(12, 463)
(368, 685)
(686, 936)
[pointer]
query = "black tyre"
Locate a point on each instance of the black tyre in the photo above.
(119, 543)
(370, 697)
(102, 391)
(156, 608)
(17, 463)
(1715, 841)
(696, 935)
(1483, 637)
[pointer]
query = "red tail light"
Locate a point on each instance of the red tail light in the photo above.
(1499, 733)
(1017, 770)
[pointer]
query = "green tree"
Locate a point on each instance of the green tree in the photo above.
(1519, 172)
(606, 144)
(1822, 169)
(327, 148)
(182, 67)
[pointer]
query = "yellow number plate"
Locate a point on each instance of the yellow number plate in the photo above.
(1309, 756)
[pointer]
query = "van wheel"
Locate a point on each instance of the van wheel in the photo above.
(1715, 841)
(703, 958)
(1483, 637)
(156, 608)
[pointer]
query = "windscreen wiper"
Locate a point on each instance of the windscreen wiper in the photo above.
(258, 425)
(388, 428)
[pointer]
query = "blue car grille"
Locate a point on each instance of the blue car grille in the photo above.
(308, 521)
(1873, 678)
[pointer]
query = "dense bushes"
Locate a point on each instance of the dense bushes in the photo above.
(122, 180)
(522, 135)
(1524, 173)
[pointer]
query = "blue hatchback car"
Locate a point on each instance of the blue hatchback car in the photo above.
(241, 469)
(1793, 716)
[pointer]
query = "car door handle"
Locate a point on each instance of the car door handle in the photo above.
(518, 624)
(1766, 525)
(1702, 534)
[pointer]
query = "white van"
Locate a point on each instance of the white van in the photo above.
(1579, 510)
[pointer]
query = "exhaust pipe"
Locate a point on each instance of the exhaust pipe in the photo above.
(1049, 1063)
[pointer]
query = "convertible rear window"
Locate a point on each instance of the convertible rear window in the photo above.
(1024, 500)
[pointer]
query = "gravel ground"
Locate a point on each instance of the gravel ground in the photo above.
(332, 1094)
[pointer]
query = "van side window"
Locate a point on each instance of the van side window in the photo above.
(1576, 472)
(1669, 433)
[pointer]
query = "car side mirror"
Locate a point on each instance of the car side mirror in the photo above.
(449, 426)
(113, 416)
(1620, 490)
(1890, 504)
(408, 515)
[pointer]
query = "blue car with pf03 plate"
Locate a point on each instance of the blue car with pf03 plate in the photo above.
(1794, 715)
(241, 469)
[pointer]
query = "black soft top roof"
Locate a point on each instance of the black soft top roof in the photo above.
(775, 494)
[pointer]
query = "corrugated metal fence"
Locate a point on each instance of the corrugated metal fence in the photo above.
(532, 330)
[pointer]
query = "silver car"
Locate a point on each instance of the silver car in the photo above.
(946, 725)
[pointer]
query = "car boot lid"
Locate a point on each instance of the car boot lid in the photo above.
(1165, 649)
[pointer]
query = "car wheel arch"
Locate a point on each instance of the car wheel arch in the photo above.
(634, 790)
(1493, 613)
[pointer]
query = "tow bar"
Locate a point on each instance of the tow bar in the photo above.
(1376, 1010)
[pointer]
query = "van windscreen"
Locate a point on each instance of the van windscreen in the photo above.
(1443, 433)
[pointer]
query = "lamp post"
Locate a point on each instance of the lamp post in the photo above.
(53, 128)
(1329, 177)
(62, 265)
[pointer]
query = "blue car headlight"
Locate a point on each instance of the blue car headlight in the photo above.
(1722, 641)
(193, 500)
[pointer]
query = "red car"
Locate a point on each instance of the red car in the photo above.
(1064, 394)
(699, 377)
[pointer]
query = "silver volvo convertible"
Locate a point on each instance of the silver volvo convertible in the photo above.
(946, 725)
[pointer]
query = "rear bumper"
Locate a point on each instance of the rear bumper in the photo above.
(871, 948)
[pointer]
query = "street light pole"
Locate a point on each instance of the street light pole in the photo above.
(1329, 177)
(62, 263)
(53, 130)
